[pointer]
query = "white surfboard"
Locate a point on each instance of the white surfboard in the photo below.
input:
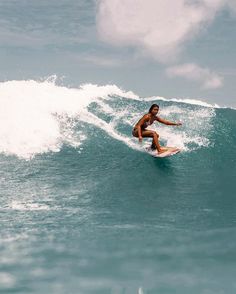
(171, 151)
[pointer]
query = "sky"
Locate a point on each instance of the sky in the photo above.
(173, 49)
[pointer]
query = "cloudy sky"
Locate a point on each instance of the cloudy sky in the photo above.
(181, 48)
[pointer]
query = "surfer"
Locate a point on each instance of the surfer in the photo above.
(140, 130)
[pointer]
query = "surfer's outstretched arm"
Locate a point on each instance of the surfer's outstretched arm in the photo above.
(167, 122)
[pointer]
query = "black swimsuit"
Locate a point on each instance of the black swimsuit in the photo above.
(146, 124)
(143, 127)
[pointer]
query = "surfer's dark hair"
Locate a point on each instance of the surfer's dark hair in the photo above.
(151, 108)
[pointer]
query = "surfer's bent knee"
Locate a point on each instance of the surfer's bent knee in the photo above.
(155, 134)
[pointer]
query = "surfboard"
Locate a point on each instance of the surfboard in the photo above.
(171, 151)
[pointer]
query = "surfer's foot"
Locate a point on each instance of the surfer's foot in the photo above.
(162, 150)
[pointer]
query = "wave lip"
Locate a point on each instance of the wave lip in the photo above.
(186, 100)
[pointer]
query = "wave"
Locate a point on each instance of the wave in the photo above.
(186, 100)
(40, 116)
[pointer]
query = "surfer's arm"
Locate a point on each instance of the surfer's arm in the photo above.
(139, 132)
(167, 122)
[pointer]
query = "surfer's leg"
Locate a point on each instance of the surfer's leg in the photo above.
(155, 136)
(153, 146)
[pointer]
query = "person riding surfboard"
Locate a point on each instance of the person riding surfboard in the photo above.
(140, 130)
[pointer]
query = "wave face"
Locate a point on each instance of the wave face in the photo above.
(85, 210)
(40, 117)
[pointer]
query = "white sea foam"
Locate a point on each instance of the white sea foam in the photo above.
(17, 205)
(40, 116)
(34, 115)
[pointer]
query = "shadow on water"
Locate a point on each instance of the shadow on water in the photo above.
(164, 165)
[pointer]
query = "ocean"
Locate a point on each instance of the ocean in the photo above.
(84, 209)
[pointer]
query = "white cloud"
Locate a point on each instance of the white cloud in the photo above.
(159, 27)
(193, 72)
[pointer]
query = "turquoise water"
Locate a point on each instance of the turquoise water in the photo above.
(85, 210)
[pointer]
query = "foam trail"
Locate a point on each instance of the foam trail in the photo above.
(92, 119)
